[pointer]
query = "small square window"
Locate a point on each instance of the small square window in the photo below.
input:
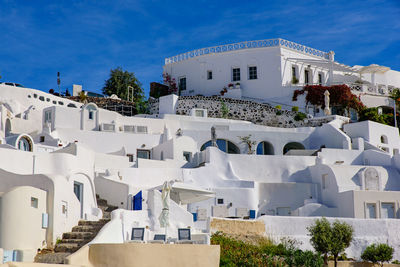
(235, 74)
(253, 73)
(34, 202)
(41, 139)
(209, 75)
(220, 201)
(130, 156)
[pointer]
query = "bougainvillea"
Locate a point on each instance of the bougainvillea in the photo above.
(340, 96)
(170, 82)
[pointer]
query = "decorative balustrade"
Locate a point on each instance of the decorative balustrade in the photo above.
(248, 45)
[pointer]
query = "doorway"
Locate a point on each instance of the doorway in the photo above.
(78, 190)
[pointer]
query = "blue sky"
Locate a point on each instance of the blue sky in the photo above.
(85, 39)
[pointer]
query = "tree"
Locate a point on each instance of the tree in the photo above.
(327, 238)
(342, 235)
(378, 253)
(119, 82)
(247, 140)
(321, 235)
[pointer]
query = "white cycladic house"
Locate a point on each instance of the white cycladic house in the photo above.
(54, 163)
(270, 70)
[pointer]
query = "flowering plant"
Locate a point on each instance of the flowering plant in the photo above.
(230, 85)
(340, 96)
(170, 82)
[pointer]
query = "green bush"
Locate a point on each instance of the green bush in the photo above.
(264, 253)
(300, 116)
(295, 108)
(278, 107)
(378, 253)
(395, 262)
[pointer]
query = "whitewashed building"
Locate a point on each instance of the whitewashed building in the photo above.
(55, 159)
(270, 70)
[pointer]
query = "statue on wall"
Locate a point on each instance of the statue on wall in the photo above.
(213, 137)
(327, 110)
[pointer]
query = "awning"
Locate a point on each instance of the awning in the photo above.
(185, 193)
(373, 68)
(324, 64)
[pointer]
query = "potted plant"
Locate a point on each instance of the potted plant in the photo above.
(230, 86)
(225, 89)
(222, 92)
(237, 85)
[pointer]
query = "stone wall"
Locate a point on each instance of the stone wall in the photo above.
(258, 113)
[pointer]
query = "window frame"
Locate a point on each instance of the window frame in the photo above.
(180, 83)
(235, 76)
(209, 75)
(249, 73)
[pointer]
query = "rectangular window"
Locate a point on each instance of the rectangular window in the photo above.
(220, 201)
(306, 76)
(129, 128)
(294, 72)
(143, 154)
(253, 73)
(47, 117)
(320, 78)
(387, 210)
(370, 212)
(41, 139)
(199, 113)
(182, 84)
(90, 114)
(236, 74)
(34, 202)
(141, 129)
(209, 75)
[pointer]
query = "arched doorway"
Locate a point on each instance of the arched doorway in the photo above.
(293, 146)
(265, 148)
(25, 143)
(223, 145)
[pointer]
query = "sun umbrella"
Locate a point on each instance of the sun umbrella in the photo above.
(164, 216)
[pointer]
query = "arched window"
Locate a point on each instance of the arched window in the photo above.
(223, 145)
(265, 148)
(292, 146)
(384, 139)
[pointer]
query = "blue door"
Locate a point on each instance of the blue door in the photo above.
(137, 201)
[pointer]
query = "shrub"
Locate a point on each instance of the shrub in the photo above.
(295, 108)
(378, 253)
(327, 238)
(264, 253)
(300, 116)
(278, 107)
(224, 110)
(395, 262)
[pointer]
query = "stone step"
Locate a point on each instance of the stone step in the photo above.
(78, 235)
(93, 223)
(86, 228)
(77, 241)
(67, 247)
(52, 258)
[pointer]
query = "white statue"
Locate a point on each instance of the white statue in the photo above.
(327, 110)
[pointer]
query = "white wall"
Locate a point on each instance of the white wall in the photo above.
(366, 232)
